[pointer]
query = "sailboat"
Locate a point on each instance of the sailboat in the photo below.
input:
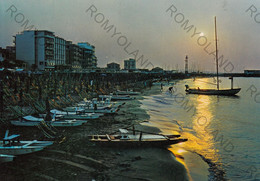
(226, 92)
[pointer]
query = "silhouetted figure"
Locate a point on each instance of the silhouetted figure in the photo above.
(150, 84)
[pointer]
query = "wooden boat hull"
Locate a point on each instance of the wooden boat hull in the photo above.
(225, 92)
(54, 123)
(137, 143)
(81, 117)
(104, 111)
(71, 110)
(101, 111)
(117, 98)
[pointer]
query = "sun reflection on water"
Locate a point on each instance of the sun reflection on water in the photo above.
(201, 140)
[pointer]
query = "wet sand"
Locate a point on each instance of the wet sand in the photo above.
(74, 158)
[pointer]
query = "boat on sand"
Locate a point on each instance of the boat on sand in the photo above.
(142, 139)
(34, 121)
(127, 92)
(12, 145)
(76, 115)
(117, 97)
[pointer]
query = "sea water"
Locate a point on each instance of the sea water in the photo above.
(223, 130)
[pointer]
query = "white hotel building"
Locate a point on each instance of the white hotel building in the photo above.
(40, 48)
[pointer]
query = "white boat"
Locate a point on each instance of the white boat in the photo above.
(95, 102)
(78, 115)
(103, 110)
(33, 121)
(11, 145)
(6, 158)
(100, 104)
(107, 101)
(117, 97)
(82, 107)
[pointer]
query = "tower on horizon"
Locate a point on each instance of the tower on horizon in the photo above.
(186, 65)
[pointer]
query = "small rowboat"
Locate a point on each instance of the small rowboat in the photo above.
(76, 115)
(117, 97)
(33, 121)
(105, 110)
(124, 139)
(11, 145)
(127, 92)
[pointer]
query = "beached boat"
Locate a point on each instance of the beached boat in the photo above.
(103, 110)
(127, 92)
(28, 121)
(117, 97)
(224, 92)
(95, 102)
(11, 145)
(6, 158)
(107, 101)
(100, 103)
(92, 106)
(79, 115)
(125, 139)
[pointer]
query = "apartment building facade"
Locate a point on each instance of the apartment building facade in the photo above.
(40, 49)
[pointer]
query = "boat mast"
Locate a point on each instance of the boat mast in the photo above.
(216, 51)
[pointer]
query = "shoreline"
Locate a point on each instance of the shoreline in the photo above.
(112, 162)
(187, 159)
(69, 158)
(208, 169)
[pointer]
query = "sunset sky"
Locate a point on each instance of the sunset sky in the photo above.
(151, 30)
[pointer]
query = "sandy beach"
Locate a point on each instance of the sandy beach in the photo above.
(74, 158)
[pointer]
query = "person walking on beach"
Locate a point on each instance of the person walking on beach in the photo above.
(170, 89)
(161, 86)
